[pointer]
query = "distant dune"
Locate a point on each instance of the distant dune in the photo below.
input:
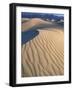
(33, 22)
(44, 54)
(23, 20)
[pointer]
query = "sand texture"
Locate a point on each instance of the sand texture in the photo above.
(44, 54)
(34, 23)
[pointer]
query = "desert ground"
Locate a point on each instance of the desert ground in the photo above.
(42, 55)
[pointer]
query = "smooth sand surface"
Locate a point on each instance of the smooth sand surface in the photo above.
(33, 22)
(44, 54)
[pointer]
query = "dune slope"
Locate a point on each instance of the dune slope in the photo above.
(44, 54)
(33, 22)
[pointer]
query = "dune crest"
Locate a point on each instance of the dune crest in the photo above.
(33, 22)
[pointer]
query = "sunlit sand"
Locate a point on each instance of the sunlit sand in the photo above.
(44, 54)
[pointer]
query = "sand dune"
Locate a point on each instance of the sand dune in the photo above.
(33, 22)
(23, 20)
(44, 54)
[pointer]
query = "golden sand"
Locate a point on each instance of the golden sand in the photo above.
(44, 54)
(33, 22)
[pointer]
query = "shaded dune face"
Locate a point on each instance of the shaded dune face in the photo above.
(44, 54)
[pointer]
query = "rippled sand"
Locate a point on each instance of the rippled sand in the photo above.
(44, 54)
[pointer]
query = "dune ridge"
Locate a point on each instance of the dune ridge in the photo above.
(33, 22)
(44, 54)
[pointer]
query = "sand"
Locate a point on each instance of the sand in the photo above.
(44, 54)
(33, 22)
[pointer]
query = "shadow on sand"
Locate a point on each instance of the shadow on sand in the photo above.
(33, 32)
(29, 35)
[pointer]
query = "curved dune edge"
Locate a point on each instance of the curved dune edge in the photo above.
(33, 22)
(44, 55)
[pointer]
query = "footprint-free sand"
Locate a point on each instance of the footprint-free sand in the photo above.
(44, 54)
